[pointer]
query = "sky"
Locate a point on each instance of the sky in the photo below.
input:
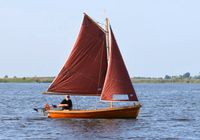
(156, 37)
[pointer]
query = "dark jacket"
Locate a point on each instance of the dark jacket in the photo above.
(68, 102)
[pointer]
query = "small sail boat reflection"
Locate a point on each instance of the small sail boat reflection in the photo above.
(95, 67)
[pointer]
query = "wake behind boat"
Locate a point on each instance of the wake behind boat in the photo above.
(95, 67)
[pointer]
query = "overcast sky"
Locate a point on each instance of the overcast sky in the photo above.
(156, 37)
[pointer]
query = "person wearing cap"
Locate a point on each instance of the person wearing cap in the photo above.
(66, 104)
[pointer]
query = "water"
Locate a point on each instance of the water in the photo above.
(170, 111)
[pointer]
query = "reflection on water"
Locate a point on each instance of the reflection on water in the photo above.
(170, 111)
(89, 128)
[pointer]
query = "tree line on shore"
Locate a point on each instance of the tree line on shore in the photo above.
(184, 78)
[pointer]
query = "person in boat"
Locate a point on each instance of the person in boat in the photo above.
(66, 104)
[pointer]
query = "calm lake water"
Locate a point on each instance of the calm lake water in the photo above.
(170, 111)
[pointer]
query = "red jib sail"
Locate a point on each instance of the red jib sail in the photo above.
(117, 81)
(85, 70)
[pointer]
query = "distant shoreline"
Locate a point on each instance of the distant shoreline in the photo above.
(27, 80)
(161, 80)
(134, 80)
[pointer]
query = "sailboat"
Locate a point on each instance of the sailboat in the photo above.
(95, 67)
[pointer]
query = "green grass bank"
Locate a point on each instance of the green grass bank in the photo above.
(134, 80)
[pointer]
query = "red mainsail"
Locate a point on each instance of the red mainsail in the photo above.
(117, 81)
(84, 71)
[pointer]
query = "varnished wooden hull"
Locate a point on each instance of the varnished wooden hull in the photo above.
(130, 112)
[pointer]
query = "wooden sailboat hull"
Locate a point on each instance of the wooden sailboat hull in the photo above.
(130, 112)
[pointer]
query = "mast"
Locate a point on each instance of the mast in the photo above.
(107, 46)
(107, 38)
